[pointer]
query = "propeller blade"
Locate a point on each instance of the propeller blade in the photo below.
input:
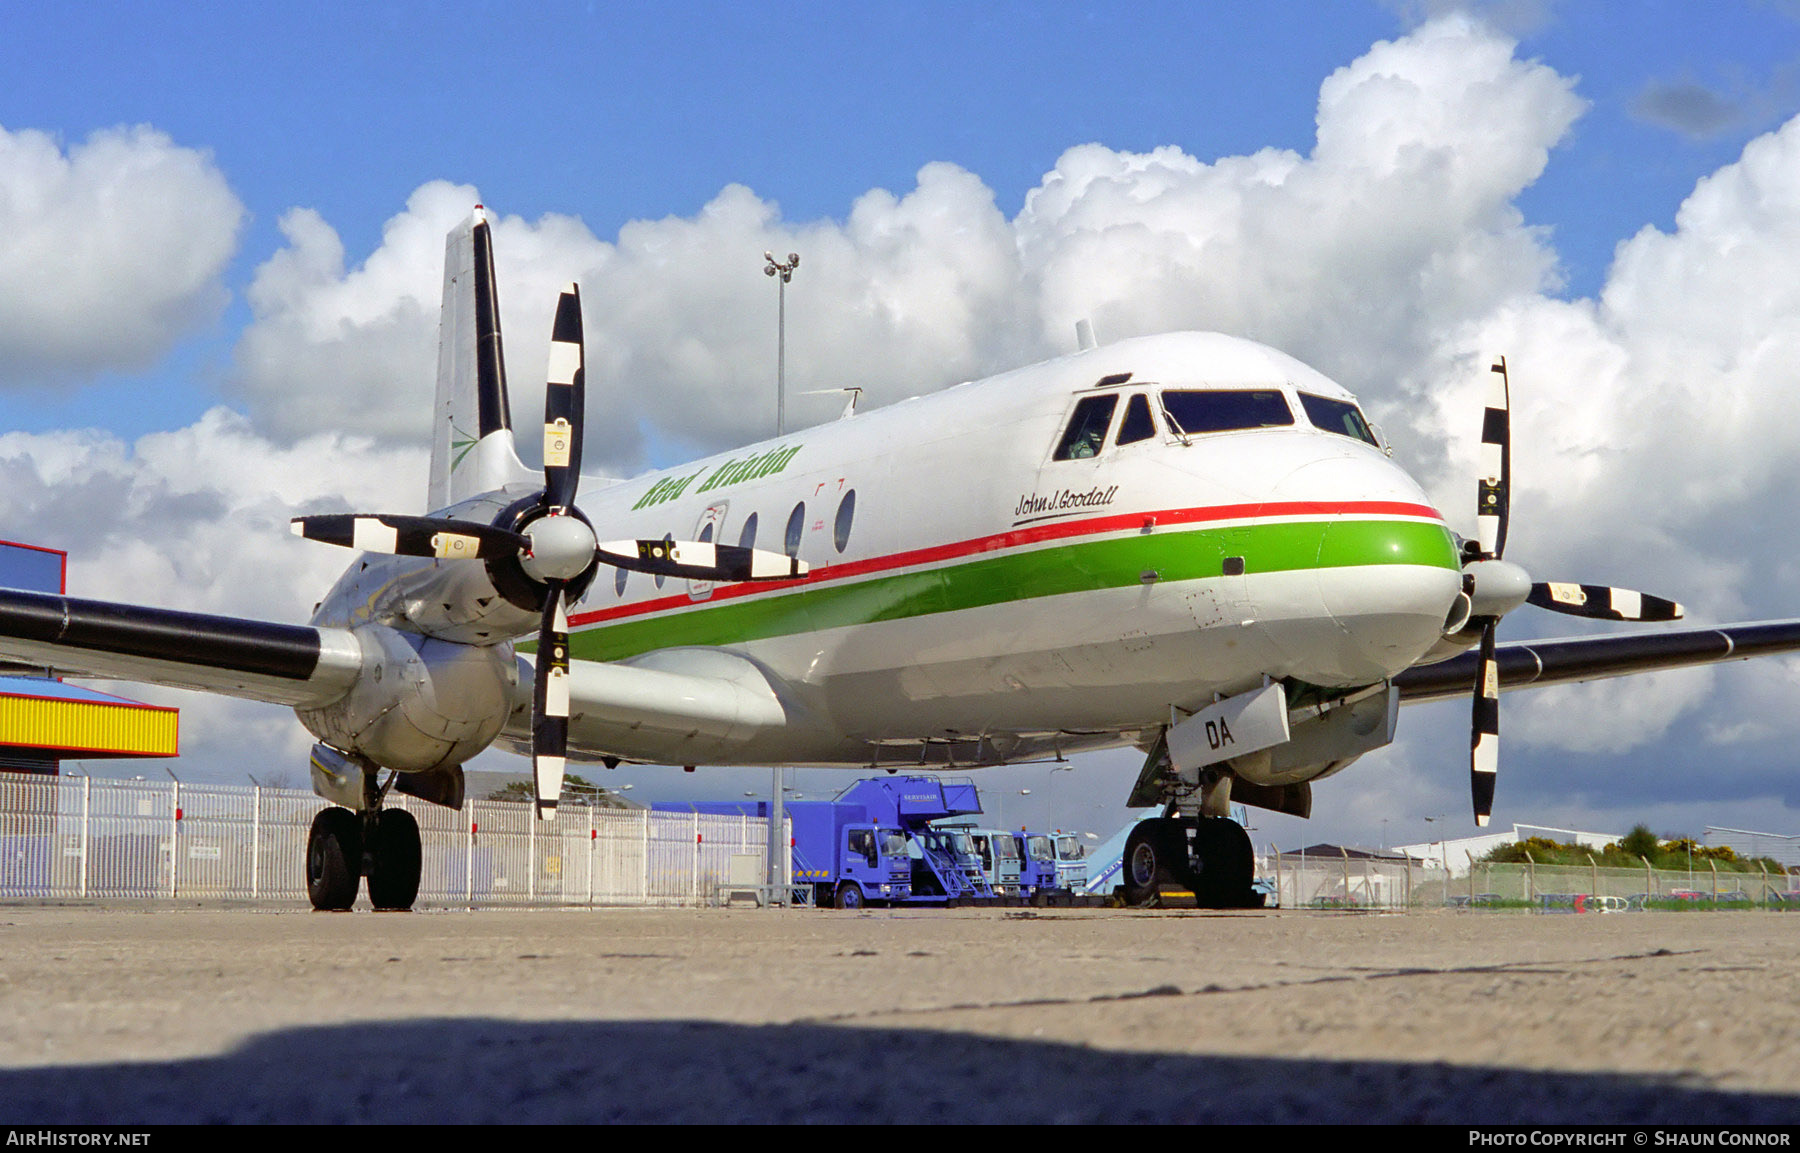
(411, 535)
(700, 560)
(1484, 736)
(1601, 602)
(566, 385)
(1484, 739)
(1494, 485)
(550, 704)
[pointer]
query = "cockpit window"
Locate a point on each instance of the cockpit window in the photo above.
(1137, 424)
(1087, 428)
(1225, 410)
(1339, 416)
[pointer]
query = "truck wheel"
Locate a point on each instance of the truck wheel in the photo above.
(849, 895)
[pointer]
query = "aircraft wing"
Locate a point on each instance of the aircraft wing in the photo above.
(295, 665)
(1532, 664)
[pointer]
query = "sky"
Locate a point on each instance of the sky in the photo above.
(221, 236)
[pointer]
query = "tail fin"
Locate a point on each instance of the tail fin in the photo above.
(472, 448)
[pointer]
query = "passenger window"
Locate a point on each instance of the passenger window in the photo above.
(1137, 424)
(1191, 413)
(1338, 416)
(795, 526)
(747, 535)
(840, 532)
(1087, 428)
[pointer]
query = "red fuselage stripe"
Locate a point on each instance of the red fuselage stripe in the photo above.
(1016, 538)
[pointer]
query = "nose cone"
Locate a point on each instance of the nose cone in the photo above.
(1387, 570)
(561, 548)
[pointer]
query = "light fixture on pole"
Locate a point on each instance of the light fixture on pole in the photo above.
(785, 271)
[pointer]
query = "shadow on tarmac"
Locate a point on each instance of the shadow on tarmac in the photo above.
(472, 1071)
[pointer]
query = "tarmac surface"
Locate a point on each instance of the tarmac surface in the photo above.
(184, 1014)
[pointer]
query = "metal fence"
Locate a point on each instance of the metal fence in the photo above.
(1344, 881)
(75, 837)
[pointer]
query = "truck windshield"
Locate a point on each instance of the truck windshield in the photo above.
(1007, 847)
(893, 843)
(1039, 848)
(1069, 849)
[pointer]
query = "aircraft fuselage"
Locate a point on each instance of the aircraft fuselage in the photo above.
(985, 584)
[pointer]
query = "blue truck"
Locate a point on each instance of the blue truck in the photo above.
(879, 841)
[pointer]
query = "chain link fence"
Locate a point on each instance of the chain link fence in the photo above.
(81, 837)
(1346, 881)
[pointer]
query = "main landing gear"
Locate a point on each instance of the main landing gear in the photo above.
(1209, 857)
(344, 847)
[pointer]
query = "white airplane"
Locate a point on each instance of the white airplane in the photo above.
(1191, 543)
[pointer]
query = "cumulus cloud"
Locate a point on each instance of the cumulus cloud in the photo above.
(197, 519)
(1400, 223)
(114, 250)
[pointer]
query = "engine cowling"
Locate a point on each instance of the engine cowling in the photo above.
(420, 703)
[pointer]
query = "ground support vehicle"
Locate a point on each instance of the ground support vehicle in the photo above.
(848, 858)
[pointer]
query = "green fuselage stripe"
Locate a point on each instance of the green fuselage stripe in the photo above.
(1082, 566)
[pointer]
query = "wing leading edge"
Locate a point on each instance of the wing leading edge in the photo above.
(1534, 664)
(295, 665)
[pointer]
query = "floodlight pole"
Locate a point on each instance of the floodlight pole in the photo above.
(785, 271)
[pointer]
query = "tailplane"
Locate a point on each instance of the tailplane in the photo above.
(472, 448)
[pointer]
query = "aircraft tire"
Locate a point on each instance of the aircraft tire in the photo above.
(395, 861)
(1227, 864)
(334, 860)
(1155, 855)
(849, 895)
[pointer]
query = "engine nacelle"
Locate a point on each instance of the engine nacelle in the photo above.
(420, 703)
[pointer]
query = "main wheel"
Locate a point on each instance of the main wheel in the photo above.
(395, 860)
(1155, 855)
(1227, 864)
(334, 860)
(849, 895)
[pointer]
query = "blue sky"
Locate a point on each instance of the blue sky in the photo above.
(613, 114)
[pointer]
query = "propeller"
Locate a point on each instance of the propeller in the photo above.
(428, 536)
(555, 546)
(1496, 586)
